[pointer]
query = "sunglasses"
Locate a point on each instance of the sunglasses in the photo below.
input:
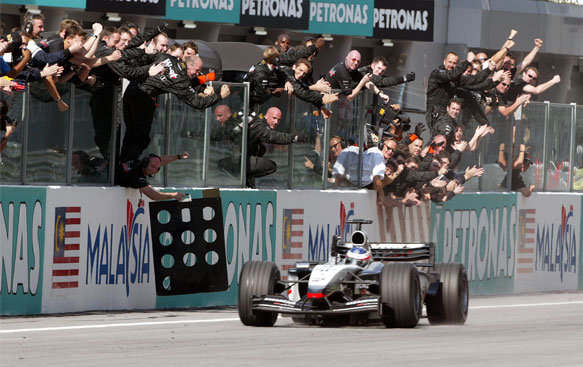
(389, 148)
(533, 77)
(335, 146)
(505, 84)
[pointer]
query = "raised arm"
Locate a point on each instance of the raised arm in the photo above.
(542, 87)
(538, 43)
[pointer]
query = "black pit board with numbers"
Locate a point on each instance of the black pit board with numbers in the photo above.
(188, 246)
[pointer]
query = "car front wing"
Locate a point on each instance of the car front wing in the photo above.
(280, 304)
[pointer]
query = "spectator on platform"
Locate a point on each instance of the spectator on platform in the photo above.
(7, 125)
(315, 163)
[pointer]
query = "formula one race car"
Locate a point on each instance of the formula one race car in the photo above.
(363, 281)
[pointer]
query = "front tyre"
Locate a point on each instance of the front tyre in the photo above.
(450, 304)
(258, 278)
(400, 295)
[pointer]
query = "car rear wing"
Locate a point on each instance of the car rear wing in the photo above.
(384, 252)
(403, 251)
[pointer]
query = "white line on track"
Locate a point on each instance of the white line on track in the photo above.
(116, 325)
(526, 305)
(153, 323)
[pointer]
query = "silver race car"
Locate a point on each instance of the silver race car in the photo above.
(363, 281)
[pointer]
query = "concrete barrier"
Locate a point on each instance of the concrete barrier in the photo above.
(69, 249)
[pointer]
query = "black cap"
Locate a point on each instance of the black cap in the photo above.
(15, 39)
(309, 38)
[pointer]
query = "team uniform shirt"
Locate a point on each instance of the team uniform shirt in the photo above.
(340, 77)
(175, 80)
(373, 164)
(515, 90)
(131, 174)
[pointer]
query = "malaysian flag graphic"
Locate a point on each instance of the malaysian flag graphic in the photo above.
(293, 235)
(526, 240)
(66, 247)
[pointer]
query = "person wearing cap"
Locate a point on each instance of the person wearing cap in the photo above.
(135, 173)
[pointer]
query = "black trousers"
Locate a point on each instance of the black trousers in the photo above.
(138, 114)
(102, 104)
(259, 166)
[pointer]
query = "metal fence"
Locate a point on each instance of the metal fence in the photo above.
(78, 147)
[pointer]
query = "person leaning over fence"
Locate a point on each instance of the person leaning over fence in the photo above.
(140, 105)
(135, 174)
(297, 86)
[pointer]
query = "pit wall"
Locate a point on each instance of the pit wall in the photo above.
(70, 249)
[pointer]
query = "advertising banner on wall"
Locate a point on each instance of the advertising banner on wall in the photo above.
(290, 14)
(55, 3)
(404, 223)
(307, 221)
(98, 251)
(404, 20)
(548, 250)
(142, 7)
(219, 11)
(22, 240)
(479, 231)
(343, 17)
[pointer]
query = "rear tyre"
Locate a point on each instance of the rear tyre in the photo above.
(258, 278)
(450, 304)
(400, 295)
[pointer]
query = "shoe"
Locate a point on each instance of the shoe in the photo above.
(251, 183)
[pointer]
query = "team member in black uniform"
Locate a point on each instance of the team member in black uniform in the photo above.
(350, 80)
(441, 86)
(297, 85)
(140, 103)
(134, 65)
(289, 57)
(135, 174)
(265, 79)
(345, 76)
(377, 68)
(262, 130)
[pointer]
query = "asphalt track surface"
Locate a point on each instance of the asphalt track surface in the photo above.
(525, 330)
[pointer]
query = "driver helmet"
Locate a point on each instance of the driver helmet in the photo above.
(358, 256)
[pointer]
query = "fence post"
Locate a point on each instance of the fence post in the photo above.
(69, 157)
(25, 118)
(291, 106)
(572, 146)
(326, 150)
(167, 115)
(206, 145)
(244, 135)
(544, 170)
